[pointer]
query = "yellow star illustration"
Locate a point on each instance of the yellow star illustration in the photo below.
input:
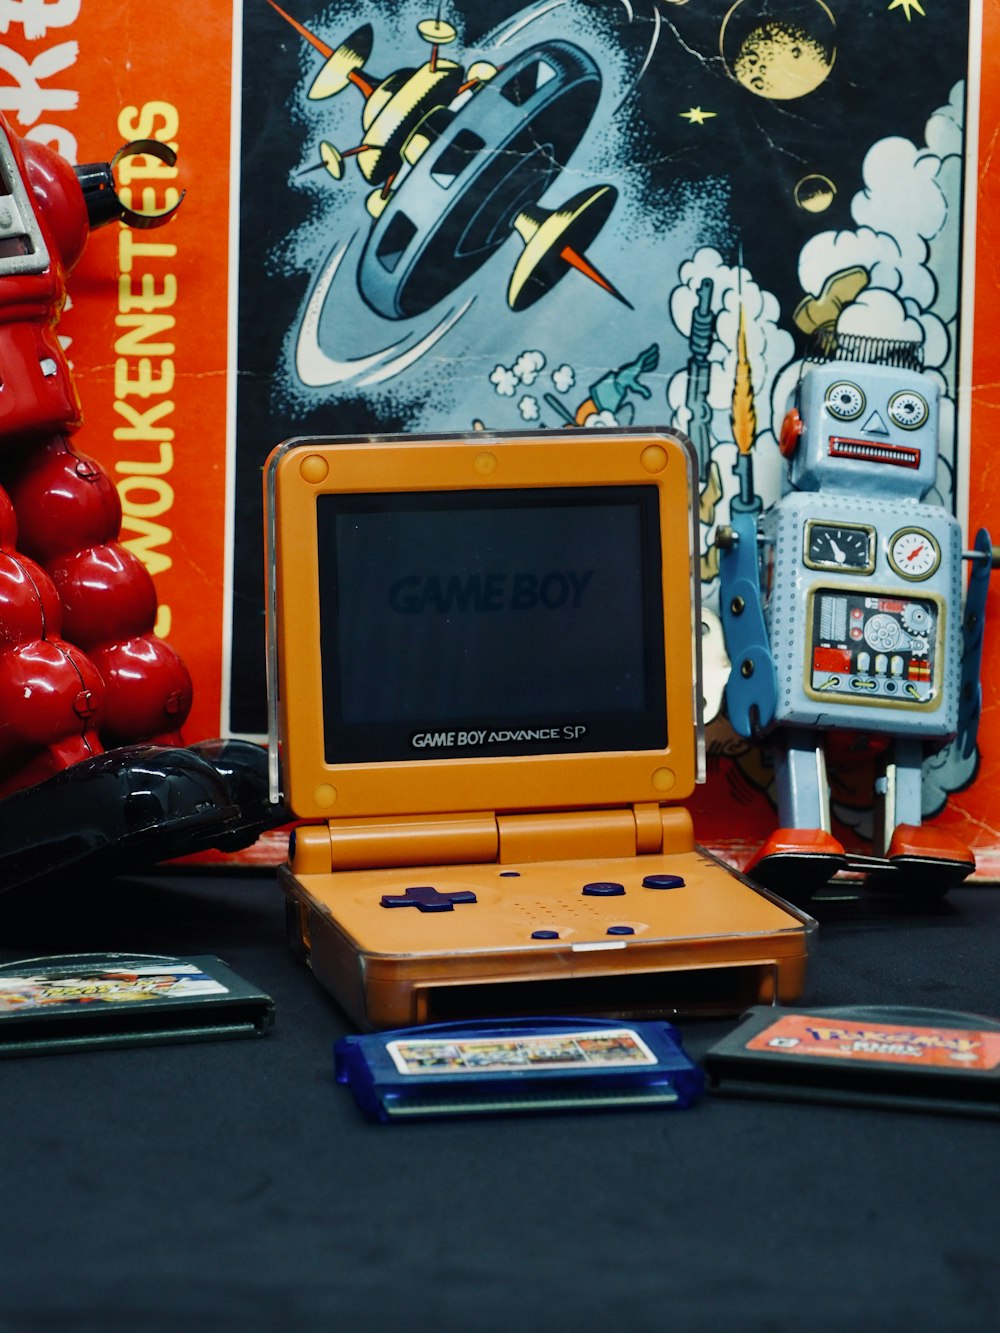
(906, 6)
(698, 117)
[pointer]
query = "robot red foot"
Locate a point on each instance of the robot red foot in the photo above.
(83, 678)
(798, 862)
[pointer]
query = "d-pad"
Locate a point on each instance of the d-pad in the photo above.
(425, 898)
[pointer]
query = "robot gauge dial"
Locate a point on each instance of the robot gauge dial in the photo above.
(840, 546)
(908, 409)
(914, 553)
(845, 400)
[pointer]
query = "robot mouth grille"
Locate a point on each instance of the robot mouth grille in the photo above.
(866, 451)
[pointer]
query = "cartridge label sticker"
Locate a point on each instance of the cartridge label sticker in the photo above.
(22, 992)
(616, 1049)
(867, 1042)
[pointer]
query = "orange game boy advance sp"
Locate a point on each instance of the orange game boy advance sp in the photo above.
(485, 705)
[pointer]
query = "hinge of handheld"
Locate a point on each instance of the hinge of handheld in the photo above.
(484, 838)
(582, 835)
(413, 840)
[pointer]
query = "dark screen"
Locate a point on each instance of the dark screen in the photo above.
(507, 622)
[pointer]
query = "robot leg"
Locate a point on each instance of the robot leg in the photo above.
(801, 855)
(931, 858)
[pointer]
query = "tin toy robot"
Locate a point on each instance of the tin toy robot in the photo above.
(842, 607)
(91, 701)
(78, 659)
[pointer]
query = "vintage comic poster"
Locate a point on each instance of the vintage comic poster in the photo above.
(404, 215)
(503, 215)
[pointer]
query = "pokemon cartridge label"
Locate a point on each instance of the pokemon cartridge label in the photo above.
(877, 1042)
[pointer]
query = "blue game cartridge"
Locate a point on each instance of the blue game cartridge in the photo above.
(529, 1064)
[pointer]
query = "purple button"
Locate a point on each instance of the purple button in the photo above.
(663, 882)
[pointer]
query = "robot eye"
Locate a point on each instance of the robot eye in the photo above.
(908, 409)
(845, 401)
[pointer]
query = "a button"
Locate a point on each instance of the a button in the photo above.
(545, 934)
(663, 882)
(603, 889)
(620, 930)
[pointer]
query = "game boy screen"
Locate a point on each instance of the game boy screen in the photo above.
(491, 623)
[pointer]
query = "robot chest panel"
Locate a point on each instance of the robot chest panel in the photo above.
(860, 613)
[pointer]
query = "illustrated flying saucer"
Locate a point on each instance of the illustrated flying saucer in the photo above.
(459, 161)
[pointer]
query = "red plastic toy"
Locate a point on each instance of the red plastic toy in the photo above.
(79, 665)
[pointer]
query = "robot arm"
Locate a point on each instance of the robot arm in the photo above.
(75, 200)
(985, 558)
(97, 181)
(752, 690)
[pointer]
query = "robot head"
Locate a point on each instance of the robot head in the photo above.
(868, 429)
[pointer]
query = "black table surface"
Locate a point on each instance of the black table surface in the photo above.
(235, 1185)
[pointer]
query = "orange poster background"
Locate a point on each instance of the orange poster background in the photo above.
(130, 54)
(977, 811)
